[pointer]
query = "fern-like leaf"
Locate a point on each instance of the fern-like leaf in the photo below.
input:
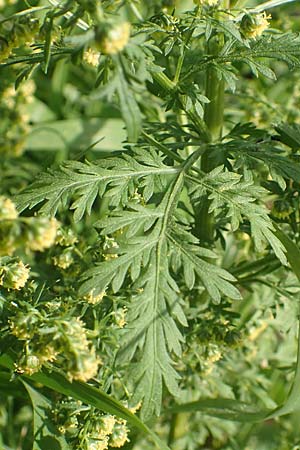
(152, 335)
(84, 182)
(238, 198)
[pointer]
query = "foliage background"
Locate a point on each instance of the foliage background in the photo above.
(236, 349)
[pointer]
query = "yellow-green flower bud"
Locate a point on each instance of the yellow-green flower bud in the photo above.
(14, 275)
(42, 233)
(104, 426)
(253, 25)
(64, 259)
(8, 210)
(93, 298)
(97, 444)
(31, 365)
(82, 360)
(24, 326)
(119, 435)
(91, 57)
(87, 366)
(4, 3)
(120, 317)
(65, 238)
(111, 39)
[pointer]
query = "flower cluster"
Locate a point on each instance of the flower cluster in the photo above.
(93, 430)
(47, 339)
(23, 32)
(13, 109)
(65, 241)
(82, 363)
(29, 233)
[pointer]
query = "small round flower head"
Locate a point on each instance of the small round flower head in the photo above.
(111, 39)
(105, 425)
(91, 57)
(14, 275)
(97, 444)
(8, 210)
(30, 365)
(42, 233)
(253, 25)
(93, 298)
(120, 317)
(24, 31)
(64, 260)
(87, 366)
(65, 237)
(119, 436)
(24, 325)
(81, 359)
(47, 353)
(33, 362)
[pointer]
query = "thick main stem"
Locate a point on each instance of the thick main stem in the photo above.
(214, 111)
(213, 118)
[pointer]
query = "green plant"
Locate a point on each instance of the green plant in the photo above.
(170, 253)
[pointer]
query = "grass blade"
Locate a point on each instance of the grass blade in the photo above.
(46, 436)
(224, 408)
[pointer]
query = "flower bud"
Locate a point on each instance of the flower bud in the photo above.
(14, 275)
(112, 39)
(253, 25)
(42, 233)
(119, 435)
(65, 238)
(24, 326)
(93, 298)
(7, 209)
(91, 57)
(120, 317)
(99, 444)
(64, 259)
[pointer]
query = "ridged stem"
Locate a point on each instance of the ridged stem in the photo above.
(213, 118)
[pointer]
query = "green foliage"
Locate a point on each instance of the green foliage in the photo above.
(149, 224)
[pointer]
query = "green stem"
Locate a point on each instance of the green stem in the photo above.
(213, 118)
(179, 427)
(169, 85)
(214, 111)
